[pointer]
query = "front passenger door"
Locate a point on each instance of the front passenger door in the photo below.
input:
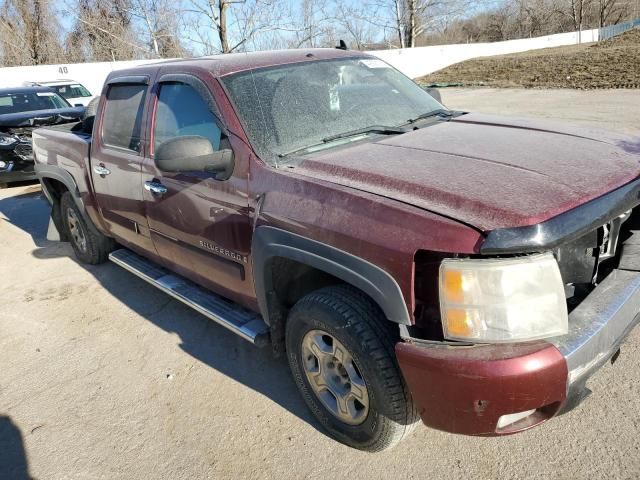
(199, 225)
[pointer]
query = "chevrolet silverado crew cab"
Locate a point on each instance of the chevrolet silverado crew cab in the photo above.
(410, 261)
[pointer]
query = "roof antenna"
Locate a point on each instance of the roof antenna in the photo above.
(342, 46)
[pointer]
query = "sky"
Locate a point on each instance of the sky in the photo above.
(64, 9)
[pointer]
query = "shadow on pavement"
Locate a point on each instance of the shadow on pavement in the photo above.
(201, 338)
(22, 211)
(13, 458)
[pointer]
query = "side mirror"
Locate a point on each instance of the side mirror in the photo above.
(434, 92)
(78, 105)
(193, 153)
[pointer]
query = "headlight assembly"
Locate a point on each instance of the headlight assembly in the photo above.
(7, 141)
(502, 300)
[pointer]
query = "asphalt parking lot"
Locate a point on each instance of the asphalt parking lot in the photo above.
(102, 376)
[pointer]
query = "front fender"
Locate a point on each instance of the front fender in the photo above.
(270, 242)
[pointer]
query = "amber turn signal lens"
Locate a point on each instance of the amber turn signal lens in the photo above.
(459, 323)
(453, 286)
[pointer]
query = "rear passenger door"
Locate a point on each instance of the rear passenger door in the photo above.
(199, 225)
(117, 155)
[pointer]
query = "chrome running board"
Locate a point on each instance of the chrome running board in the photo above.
(239, 320)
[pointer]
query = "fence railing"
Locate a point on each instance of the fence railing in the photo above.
(611, 31)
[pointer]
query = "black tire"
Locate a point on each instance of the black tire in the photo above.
(360, 326)
(96, 247)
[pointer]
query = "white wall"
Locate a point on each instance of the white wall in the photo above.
(91, 75)
(413, 62)
(416, 62)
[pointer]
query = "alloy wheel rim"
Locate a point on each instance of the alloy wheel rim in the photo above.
(75, 230)
(334, 377)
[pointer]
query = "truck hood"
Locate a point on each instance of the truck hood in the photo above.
(486, 171)
(41, 117)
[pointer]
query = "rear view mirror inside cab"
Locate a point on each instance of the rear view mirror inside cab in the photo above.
(193, 153)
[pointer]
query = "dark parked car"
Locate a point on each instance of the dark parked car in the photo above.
(21, 110)
(413, 262)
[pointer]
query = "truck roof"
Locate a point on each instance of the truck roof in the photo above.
(225, 64)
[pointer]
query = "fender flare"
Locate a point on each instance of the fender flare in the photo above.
(61, 175)
(271, 242)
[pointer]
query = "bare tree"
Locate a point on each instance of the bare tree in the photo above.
(355, 23)
(128, 29)
(103, 31)
(231, 25)
(310, 24)
(410, 19)
(158, 20)
(578, 10)
(29, 33)
(537, 17)
(610, 12)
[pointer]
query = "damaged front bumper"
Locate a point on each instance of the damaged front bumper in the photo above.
(504, 389)
(16, 160)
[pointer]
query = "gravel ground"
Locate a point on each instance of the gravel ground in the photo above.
(617, 110)
(104, 377)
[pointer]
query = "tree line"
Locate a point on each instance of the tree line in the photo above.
(533, 18)
(36, 32)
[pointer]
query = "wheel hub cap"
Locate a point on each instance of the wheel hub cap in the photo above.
(75, 229)
(334, 377)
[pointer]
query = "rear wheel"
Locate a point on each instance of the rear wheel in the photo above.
(89, 245)
(340, 349)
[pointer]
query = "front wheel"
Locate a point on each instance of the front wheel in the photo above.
(89, 245)
(340, 349)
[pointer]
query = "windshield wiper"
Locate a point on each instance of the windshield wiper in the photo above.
(440, 112)
(381, 129)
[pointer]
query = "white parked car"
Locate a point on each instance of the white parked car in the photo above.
(75, 93)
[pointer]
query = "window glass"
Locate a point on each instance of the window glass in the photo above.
(72, 91)
(182, 111)
(31, 102)
(123, 116)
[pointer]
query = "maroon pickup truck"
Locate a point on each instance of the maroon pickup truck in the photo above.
(411, 261)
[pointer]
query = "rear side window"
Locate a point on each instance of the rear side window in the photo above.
(72, 91)
(122, 121)
(182, 111)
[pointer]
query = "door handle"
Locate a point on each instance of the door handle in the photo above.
(155, 187)
(101, 170)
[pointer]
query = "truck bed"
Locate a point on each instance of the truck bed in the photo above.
(66, 146)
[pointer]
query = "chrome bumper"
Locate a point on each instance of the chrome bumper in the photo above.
(597, 328)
